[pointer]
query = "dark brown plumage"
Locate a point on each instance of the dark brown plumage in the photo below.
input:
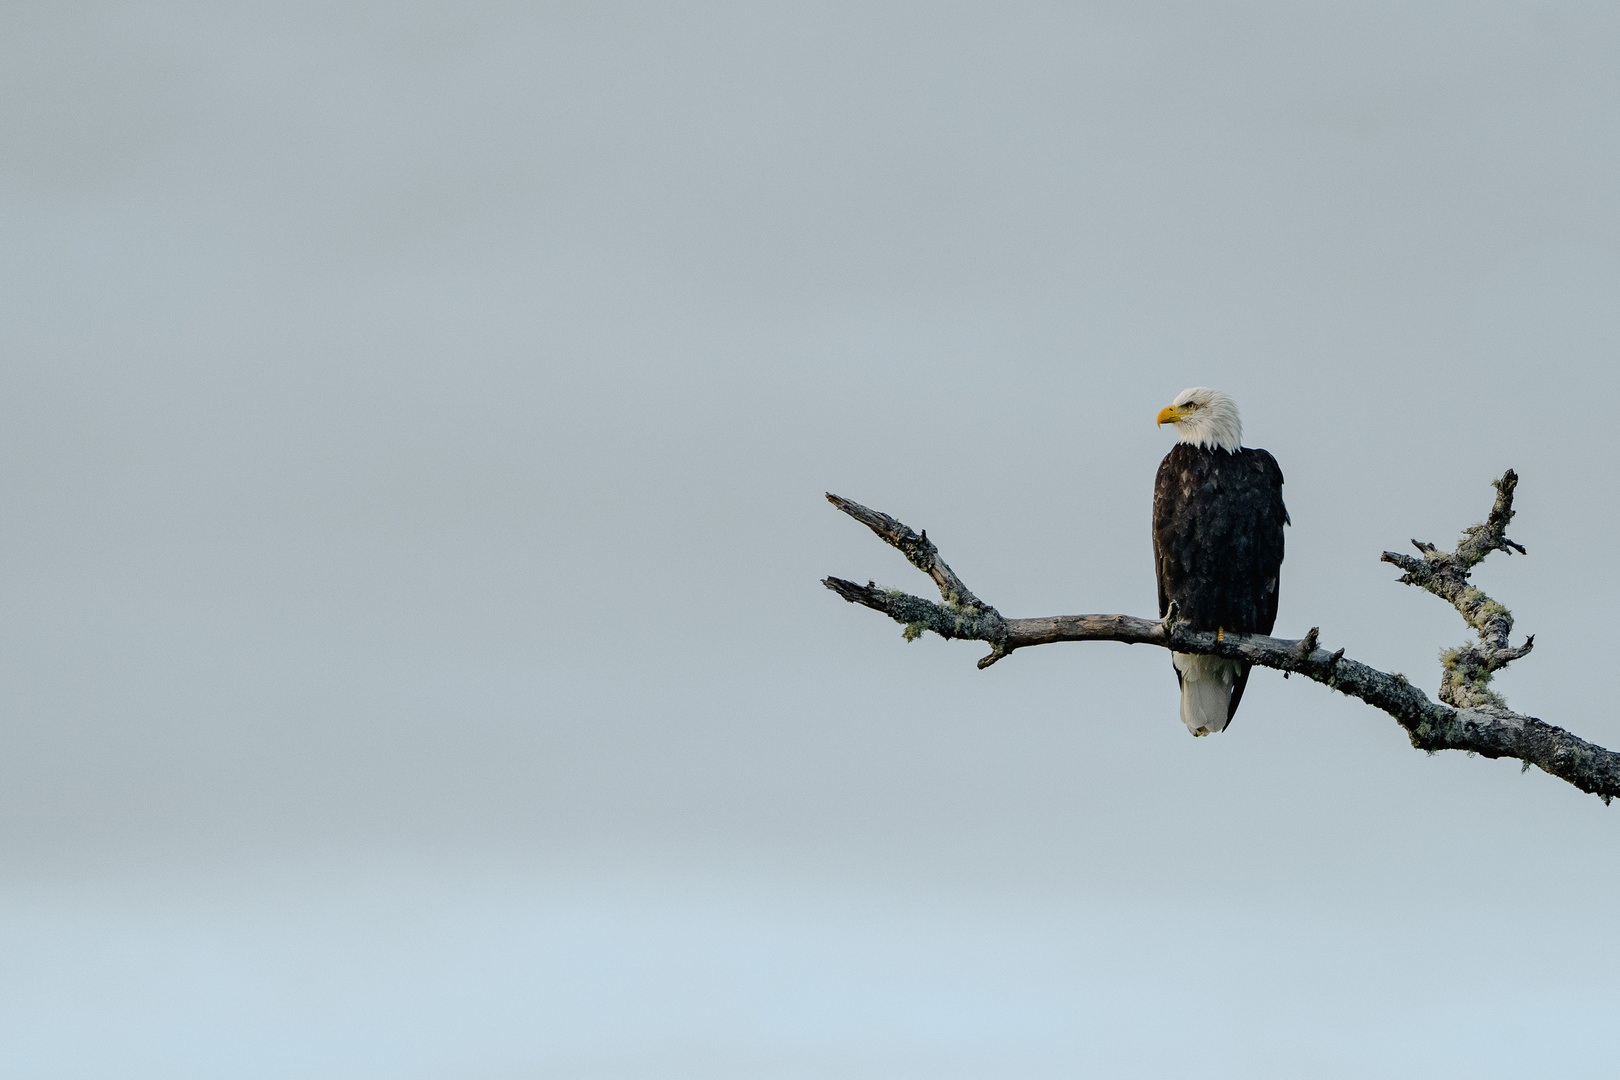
(1218, 520)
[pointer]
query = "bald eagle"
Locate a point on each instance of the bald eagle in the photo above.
(1218, 520)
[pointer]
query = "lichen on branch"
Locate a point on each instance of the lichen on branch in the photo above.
(1466, 671)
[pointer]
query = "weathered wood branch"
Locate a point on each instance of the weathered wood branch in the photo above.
(1466, 670)
(1469, 717)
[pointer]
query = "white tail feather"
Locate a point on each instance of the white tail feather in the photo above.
(1206, 691)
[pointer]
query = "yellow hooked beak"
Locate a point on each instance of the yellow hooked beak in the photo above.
(1170, 414)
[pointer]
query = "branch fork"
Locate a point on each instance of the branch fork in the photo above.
(1469, 716)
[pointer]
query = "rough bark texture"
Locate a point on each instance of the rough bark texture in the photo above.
(1467, 670)
(1469, 716)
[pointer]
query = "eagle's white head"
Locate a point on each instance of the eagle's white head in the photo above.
(1206, 418)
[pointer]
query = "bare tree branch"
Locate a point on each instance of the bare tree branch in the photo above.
(1469, 716)
(1467, 670)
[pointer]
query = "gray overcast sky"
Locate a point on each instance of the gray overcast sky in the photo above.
(413, 425)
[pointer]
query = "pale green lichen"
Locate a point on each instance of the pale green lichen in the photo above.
(1486, 615)
(1464, 681)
